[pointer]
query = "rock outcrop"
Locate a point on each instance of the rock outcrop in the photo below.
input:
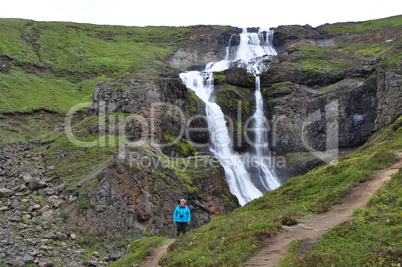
(139, 190)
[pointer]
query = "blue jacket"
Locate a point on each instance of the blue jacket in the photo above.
(181, 214)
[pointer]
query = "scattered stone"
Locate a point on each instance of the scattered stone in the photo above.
(44, 263)
(4, 208)
(19, 262)
(34, 253)
(15, 205)
(54, 253)
(27, 221)
(17, 213)
(55, 200)
(16, 219)
(28, 259)
(5, 192)
(27, 177)
(49, 191)
(46, 241)
(46, 248)
(51, 168)
(35, 184)
(22, 187)
(44, 209)
(65, 231)
(45, 225)
(60, 188)
(72, 198)
(36, 221)
(19, 194)
(50, 235)
(61, 236)
(90, 264)
(27, 216)
(47, 214)
(81, 251)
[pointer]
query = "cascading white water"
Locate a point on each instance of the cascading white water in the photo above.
(236, 174)
(266, 175)
(251, 53)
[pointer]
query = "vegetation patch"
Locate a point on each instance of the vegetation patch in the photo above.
(75, 159)
(139, 250)
(317, 59)
(362, 27)
(196, 104)
(38, 126)
(372, 38)
(182, 146)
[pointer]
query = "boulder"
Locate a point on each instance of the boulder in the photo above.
(5, 192)
(239, 77)
(19, 262)
(47, 214)
(35, 184)
(26, 177)
(15, 218)
(5, 65)
(28, 259)
(50, 235)
(61, 236)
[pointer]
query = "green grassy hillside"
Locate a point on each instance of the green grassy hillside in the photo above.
(370, 238)
(55, 65)
(371, 38)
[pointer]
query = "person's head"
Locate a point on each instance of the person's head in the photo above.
(182, 202)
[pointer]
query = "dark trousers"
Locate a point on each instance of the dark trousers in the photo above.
(181, 227)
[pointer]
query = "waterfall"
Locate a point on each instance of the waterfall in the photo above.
(246, 181)
(266, 175)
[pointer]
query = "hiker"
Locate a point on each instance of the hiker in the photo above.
(182, 217)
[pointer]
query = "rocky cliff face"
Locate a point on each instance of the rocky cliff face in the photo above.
(361, 88)
(207, 47)
(319, 98)
(137, 194)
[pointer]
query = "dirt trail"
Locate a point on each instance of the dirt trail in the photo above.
(152, 261)
(314, 227)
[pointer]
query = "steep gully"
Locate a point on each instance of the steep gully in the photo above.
(248, 176)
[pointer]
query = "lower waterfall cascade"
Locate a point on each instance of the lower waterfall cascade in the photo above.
(246, 182)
